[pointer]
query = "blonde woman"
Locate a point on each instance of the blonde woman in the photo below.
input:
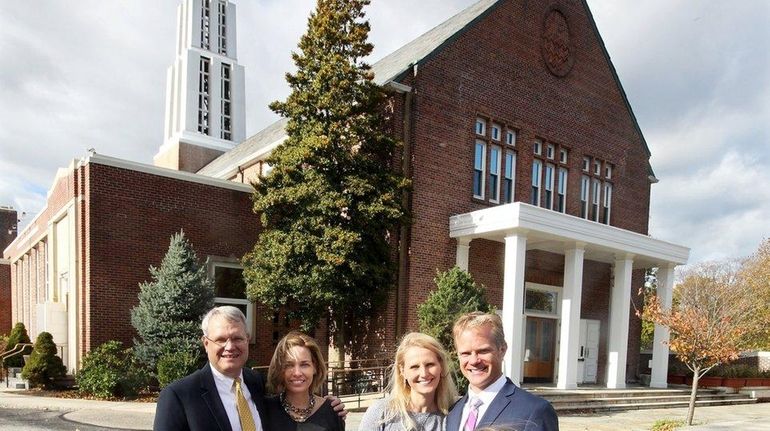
(420, 391)
(297, 372)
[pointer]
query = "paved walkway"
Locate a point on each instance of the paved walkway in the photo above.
(139, 416)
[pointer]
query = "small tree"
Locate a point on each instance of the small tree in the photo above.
(332, 197)
(44, 365)
(170, 308)
(709, 321)
(18, 335)
(456, 294)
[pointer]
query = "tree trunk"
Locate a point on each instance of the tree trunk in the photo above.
(693, 395)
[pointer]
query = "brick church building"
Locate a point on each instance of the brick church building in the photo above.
(528, 166)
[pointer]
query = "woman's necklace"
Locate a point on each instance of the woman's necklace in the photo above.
(297, 414)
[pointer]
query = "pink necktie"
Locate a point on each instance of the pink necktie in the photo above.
(470, 423)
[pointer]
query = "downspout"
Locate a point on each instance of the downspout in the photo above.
(403, 237)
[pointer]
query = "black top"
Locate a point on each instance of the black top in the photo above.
(324, 419)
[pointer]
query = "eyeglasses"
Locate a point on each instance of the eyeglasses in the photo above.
(235, 341)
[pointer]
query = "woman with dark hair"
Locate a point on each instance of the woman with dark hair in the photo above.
(297, 373)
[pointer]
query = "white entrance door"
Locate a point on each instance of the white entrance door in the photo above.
(588, 358)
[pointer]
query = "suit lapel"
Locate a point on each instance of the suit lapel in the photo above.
(499, 404)
(455, 414)
(210, 396)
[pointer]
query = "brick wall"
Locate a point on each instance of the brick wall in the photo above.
(130, 218)
(495, 69)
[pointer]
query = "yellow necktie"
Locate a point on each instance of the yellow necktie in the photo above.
(244, 412)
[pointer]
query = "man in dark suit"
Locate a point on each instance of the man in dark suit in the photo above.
(223, 395)
(492, 399)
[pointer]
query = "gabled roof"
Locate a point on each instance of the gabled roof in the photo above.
(390, 68)
(393, 67)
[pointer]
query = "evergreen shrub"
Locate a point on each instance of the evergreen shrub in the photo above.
(44, 366)
(173, 366)
(456, 294)
(18, 335)
(109, 371)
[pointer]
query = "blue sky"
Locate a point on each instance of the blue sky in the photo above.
(91, 74)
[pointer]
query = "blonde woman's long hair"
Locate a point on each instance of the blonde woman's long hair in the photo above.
(398, 390)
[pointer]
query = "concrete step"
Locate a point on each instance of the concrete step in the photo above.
(585, 408)
(643, 400)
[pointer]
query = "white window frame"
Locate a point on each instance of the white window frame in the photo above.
(509, 176)
(563, 155)
(608, 171)
(206, 24)
(479, 171)
(586, 164)
(550, 151)
(222, 26)
(548, 289)
(548, 185)
(561, 194)
(595, 199)
(585, 192)
(607, 203)
(597, 167)
(510, 137)
(496, 131)
(538, 147)
(204, 95)
(222, 300)
(537, 176)
(481, 127)
(495, 160)
(226, 103)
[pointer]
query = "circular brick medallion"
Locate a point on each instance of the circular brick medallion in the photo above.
(555, 44)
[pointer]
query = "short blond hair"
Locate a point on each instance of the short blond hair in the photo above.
(275, 383)
(478, 319)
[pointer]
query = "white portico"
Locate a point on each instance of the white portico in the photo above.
(523, 227)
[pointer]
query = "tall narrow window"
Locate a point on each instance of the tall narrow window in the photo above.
(538, 148)
(608, 170)
(206, 24)
(585, 185)
(226, 117)
(222, 9)
(494, 173)
(509, 172)
(478, 169)
(549, 183)
(586, 164)
(203, 96)
(595, 189)
(597, 167)
(561, 198)
(563, 155)
(607, 203)
(537, 167)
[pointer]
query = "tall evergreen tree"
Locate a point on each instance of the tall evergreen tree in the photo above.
(331, 199)
(170, 308)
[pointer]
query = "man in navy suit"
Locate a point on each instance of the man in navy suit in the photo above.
(206, 399)
(492, 399)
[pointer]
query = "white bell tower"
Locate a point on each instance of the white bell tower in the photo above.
(204, 88)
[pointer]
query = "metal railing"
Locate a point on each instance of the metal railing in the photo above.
(18, 349)
(354, 381)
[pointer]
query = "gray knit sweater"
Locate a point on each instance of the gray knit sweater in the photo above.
(372, 420)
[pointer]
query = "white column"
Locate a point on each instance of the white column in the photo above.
(659, 377)
(513, 304)
(570, 317)
(620, 303)
(463, 253)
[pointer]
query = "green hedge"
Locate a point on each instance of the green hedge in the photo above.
(109, 371)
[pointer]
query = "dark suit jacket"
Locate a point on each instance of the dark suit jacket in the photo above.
(193, 403)
(513, 407)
